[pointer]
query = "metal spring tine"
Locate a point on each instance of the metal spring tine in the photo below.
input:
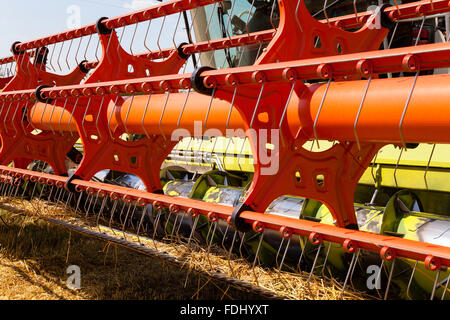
(257, 256)
(420, 31)
(59, 56)
(241, 244)
(393, 34)
(4, 120)
(210, 243)
(87, 47)
(209, 107)
(51, 58)
(396, 167)
(132, 38)
(248, 17)
(410, 279)
(60, 118)
(347, 277)
(146, 35)
(326, 257)
(159, 35)
(285, 109)
(318, 114)
(224, 237)
(98, 118)
(126, 219)
(144, 213)
(389, 279)
(435, 281)
(78, 201)
(278, 251)
(355, 10)
(69, 198)
(51, 116)
(162, 115)
(182, 217)
(405, 108)
(14, 118)
(174, 226)
(78, 50)
(110, 118)
(84, 117)
(73, 112)
(119, 44)
(51, 192)
(428, 166)
(113, 210)
(68, 52)
(319, 248)
(127, 115)
(96, 49)
(176, 28)
(296, 15)
(25, 187)
(257, 105)
(194, 226)
(229, 20)
(445, 289)
(87, 202)
(95, 202)
(359, 113)
(230, 251)
(271, 16)
(182, 109)
(284, 254)
(325, 12)
(167, 223)
(102, 207)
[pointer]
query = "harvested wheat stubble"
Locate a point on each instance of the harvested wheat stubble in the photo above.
(213, 260)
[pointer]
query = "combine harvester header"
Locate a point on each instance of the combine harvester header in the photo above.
(345, 129)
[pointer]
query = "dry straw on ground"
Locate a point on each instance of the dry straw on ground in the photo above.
(200, 259)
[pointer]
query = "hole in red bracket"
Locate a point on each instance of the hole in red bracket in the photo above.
(116, 158)
(298, 176)
(320, 178)
(130, 68)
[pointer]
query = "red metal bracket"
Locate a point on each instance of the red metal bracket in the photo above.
(103, 148)
(20, 143)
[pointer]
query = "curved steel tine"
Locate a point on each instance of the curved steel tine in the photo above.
(391, 272)
(72, 113)
(257, 256)
(60, 118)
(110, 118)
(231, 107)
(435, 283)
(209, 107)
(285, 110)
(167, 223)
(326, 257)
(271, 16)
(296, 16)
(14, 118)
(51, 58)
(325, 12)
(210, 243)
(100, 212)
(445, 288)
(318, 114)
(230, 251)
(91, 197)
(420, 31)
(278, 251)
(127, 115)
(146, 35)
(156, 223)
(78, 50)
(184, 107)
(241, 244)
(174, 226)
(359, 113)
(229, 20)
(404, 110)
(84, 117)
(176, 28)
(224, 237)
(159, 36)
(410, 279)
(396, 167)
(257, 105)
(355, 10)
(4, 119)
(132, 39)
(119, 44)
(68, 52)
(43, 112)
(87, 47)
(51, 116)
(393, 34)
(144, 213)
(162, 115)
(428, 166)
(350, 271)
(194, 227)
(145, 113)
(96, 50)
(284, 254)
(59, 56)
(113, 210)
(78, 201)
(319, 248)
(248, 17)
